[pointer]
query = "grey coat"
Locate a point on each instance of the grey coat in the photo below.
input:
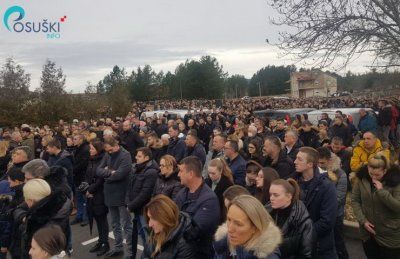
(116, 184)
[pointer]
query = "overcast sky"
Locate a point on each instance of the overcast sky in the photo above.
(162, 33)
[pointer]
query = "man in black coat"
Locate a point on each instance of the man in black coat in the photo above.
(130, 139)
(143, 180)
(236, 162)
(194, 147)
(199, 201)
(81, 160)
(62, 158)
(319, 195)
(176, 147)
(384, 119)
(115, 168)
(339, 129)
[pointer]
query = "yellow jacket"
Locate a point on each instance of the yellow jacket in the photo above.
(361, 155)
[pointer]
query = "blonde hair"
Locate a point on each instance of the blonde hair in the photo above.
(169, 161)
(379, 161)
(36, 189)
(257, 214)
(166, 212)
(223, 167)
(4, 147)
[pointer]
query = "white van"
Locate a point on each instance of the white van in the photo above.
(315, 116)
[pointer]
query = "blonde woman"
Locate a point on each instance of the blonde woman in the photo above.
(249, 231)
(168, 182)
(376, 204)
(45, 208)
(219, 179)
(167, 226)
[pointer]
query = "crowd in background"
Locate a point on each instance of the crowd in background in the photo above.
(216, 183)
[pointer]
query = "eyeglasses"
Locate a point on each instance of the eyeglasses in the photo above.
(162, 165)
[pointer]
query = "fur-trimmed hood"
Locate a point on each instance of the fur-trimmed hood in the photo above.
(265, 245)
(390, 179)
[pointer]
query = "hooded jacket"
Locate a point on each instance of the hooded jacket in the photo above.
(176, 246)
(141, 185)
(380, 207)
(265, 247)
(361, 155)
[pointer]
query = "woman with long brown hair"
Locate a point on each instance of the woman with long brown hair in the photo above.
(167, 225)
(291, 216)
(220, 178)
(263, 181)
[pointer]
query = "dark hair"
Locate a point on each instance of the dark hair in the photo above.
(26, 129)
(234, 191)
(253, 167)
(324, 153)
(269, 175)
(50, 239)
(192, 163)
(146, 152)
(16, 174)
(54, 143)
(337, 140)
(233, 145)
(174, 127)
(97, 144)
(290, 185)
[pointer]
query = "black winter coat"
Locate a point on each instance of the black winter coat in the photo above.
(297, 232)
(131, 141)
(63, 159)
(342, 132)
(198, 151)
(169, 186)
(116, 184)
(295, 149)
(96, 205)
(219, 190)
(54, 209)
(176, 148)
(309, 139)
(141, 185)
(385, 116)
(319, 196)
(284, 166)
(176, 246)
(58, 181)
(81, 159)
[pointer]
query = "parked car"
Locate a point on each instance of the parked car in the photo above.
(315, 116)
(282, 113)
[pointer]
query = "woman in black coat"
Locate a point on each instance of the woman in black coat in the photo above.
(167, 227)
(95, 197)
(220, 179)
(168, 182)
(291, 216)
(45, 208)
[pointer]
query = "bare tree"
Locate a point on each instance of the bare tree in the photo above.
(324, 31)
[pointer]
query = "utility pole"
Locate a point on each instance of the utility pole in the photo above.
(259, 88)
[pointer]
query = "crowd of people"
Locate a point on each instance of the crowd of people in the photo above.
(220, 183)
